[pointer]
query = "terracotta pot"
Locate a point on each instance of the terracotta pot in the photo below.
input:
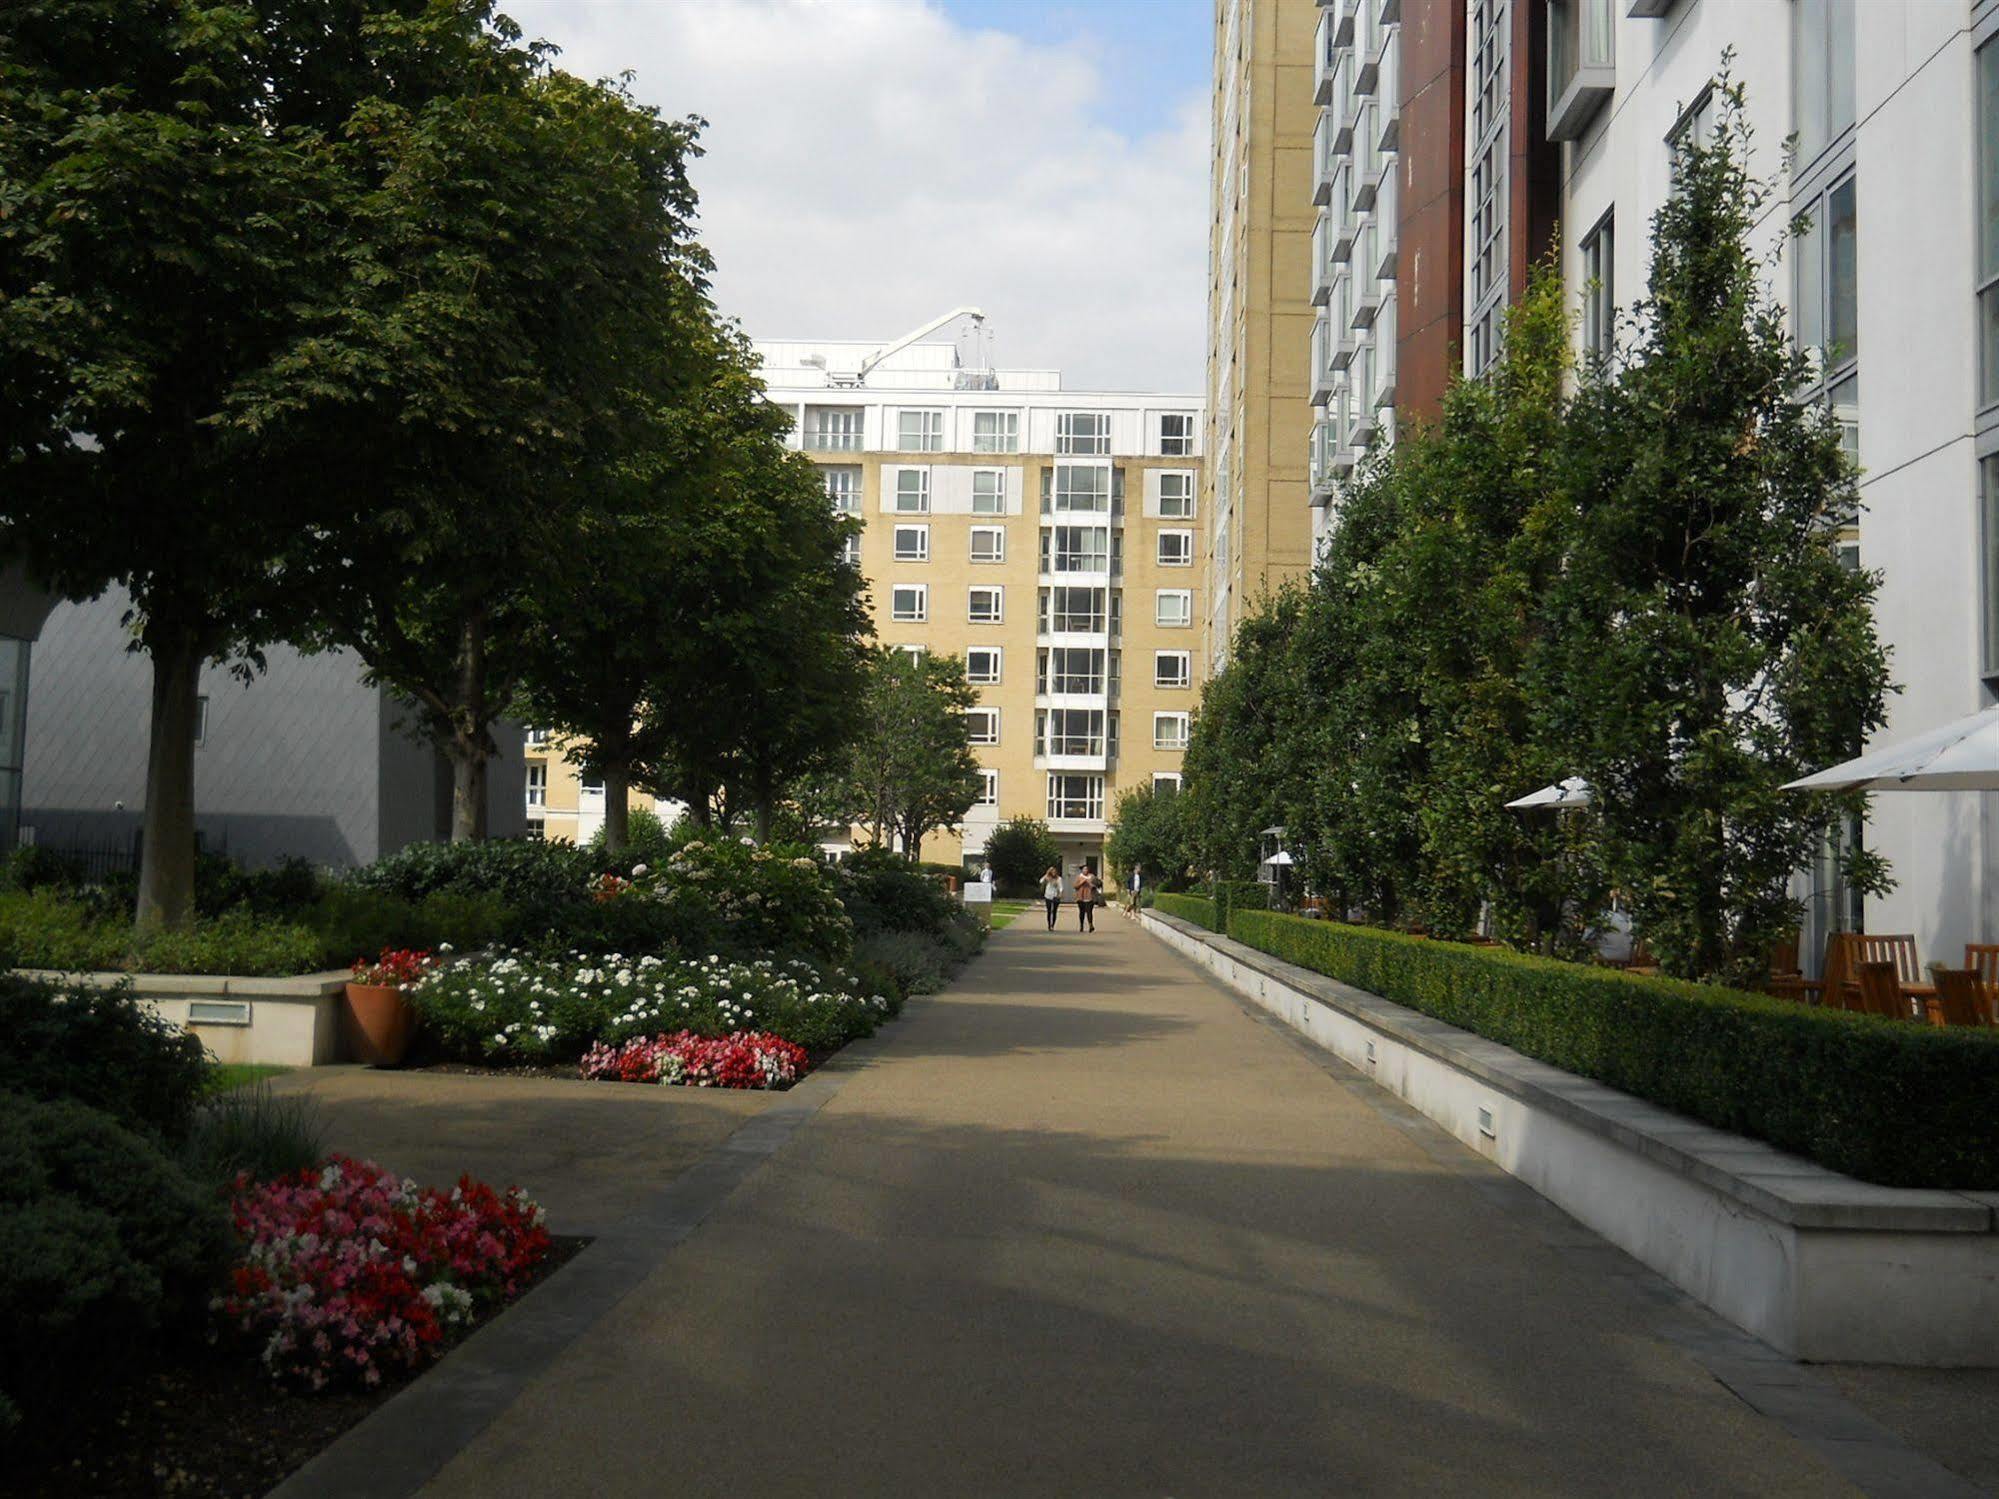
(375, 1024)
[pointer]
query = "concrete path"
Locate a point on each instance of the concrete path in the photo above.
(1085, 1227)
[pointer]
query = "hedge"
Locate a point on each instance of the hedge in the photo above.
(1238, 895)
(1889, 1102)
(1195, 908)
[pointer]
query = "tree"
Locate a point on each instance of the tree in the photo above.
(1020, 850)
(911, 768)
(169, 168)
(1147, 829)
(1706, 643)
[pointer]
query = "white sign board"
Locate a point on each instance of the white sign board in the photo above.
(978, 892)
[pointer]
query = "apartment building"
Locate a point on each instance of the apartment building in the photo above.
(566, 802)
(1258, 520)
(1894, 105)
(1051, 538)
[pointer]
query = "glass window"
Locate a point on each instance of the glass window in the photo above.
(989, 491)
(989, 543)
(1174, 608)
(1169, 731)
(1827, 311)
(982, 725)
(1080, 487)
(1165, 782)
(1581, 63)
(1072, 610)
(1072, 731)
(1176, 495)
(1075, 549)
(988, 788)
(1176, 434)
(1172, 668)
(910, 602)
(1075, 797)
(1822, 54)
(850, 550)
(1989, 504)
(843, 488)
(537, 784)
(1988, 220)
(833, 429)
(995, 432)
(920, 431)
(982, 665)
(1176, 548)
(1083, 432)
(912, 543)
(912, 491)
(1071, 669)
(1599, 291)
(590, 784)
(986, 605)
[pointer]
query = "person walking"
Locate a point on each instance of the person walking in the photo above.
(1086, 899)
(1137, 885)
(1051, 893)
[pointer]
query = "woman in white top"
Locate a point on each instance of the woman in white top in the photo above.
(1051, 893)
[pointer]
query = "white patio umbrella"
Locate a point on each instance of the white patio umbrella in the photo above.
(1960, 756)
(1574, 792)
(1279, 860)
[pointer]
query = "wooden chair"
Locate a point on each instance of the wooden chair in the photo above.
(1898, 950)
(1787, 980)
(1983, 959)
(1881, 991)
(1960, 998)
(1834, 986)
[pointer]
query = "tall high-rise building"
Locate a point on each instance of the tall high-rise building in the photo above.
(1258, 517)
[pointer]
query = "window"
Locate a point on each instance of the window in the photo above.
(1083, 432)
(1488, 32)
(1173, 608)
(1079, 487)
(910, 602)
(1075, 797)
(912, 543)
(989, 491)
(843, 488)
(1172, 668)
(850, 550)
(982, 665)
(986, 605)
(919, 431)
(1176, 496)
(914, 652)
(1582, 63)
(988, 788)
(982, 725)
(538, 738)
(833, 429)
(1695, 126)
(537, 784)
(1072, 610)
(537, 827)
(590, 783)
(1166, 783)
(912, 491)
(1176, 434)
(1176, 548)
(1071, 669)
(1822, 57)
(1827, 318)
(1599, 291)
(989, 543)
(995, 432)
(1988, 222)
(1075, 549)
(1988, 472)
(1169, 731)
(200, 720)
(1071, 731)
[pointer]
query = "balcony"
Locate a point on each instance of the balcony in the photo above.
(1383, 393)
(1366, 285)
(1582, 64)
(1343, 223)
(1322, 365)
(1323, 159)
(1366, 160)
(1366, 51)
(1385, 217)
(1341, 341)
(1323, 445)
(1322, 265)
(1324, 53)
(1345, 13)
(1387, 99)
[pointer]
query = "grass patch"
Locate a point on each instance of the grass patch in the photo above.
(1004, 911)
(224, 1076)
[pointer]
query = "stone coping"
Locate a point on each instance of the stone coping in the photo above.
(1784, 1187)
(309, 987)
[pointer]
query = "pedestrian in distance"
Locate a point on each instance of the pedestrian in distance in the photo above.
(1137, 884)
(1051, 893)
(1086, 900)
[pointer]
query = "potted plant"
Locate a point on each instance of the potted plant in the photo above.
(376, 1020)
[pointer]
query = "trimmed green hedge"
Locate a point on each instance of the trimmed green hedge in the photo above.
(1195, 908)
(1899, 1104)
(1238, 895)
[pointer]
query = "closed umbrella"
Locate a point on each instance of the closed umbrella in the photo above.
(1574, 792)
(1960, 756)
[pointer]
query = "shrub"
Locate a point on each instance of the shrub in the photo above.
(1195, 908)
(1238, 895)
(349, 1272)
(31, 868)
(885, 892)
(46, 928)
(921, 964)
(1900, 1104)
(775, 899)
(105, 1245)
(100, 1047)
(878, 978)
(748, 1059)
(351, 921)
(236, 942)
(541, 882)
(253, 1132)
(647, 841)
(1019, 849)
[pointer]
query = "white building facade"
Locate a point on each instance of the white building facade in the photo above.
(1894, 105)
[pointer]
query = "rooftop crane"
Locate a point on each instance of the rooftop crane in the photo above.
(868, 365)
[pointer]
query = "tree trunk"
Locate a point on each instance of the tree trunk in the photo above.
(166, 860)
(468, 740)
(617, 811)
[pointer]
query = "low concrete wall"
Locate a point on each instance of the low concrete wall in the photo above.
(1818, 1265)
(293, 1022)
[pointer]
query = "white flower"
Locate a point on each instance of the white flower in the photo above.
(638, 870)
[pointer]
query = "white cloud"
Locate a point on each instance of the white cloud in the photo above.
(872, 163)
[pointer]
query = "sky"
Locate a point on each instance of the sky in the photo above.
(871, 164)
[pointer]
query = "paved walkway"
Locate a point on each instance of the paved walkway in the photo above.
(1086, 1227)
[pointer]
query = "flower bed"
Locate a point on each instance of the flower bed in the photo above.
(349, 1272)
(748, 1059)
(516, 1008)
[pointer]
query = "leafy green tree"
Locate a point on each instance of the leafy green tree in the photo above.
(1706, 642)
(911, 768)
(1148, 830)
(1020, 850)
